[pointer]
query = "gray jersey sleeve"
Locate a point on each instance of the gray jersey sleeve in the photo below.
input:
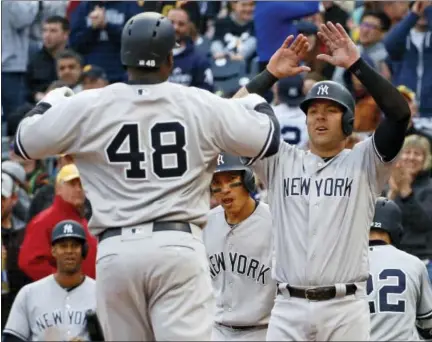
(18, 323)
(56, 131)
(424, 304)
(237, 128)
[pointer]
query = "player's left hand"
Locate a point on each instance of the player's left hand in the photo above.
(285, 61)
(343, 51)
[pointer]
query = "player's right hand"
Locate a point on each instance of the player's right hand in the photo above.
(57, 95)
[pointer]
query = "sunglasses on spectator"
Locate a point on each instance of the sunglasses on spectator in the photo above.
(370, 26)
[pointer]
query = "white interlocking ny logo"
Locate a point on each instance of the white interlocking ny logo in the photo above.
(68, 229)
(220, 160)
(322, 90)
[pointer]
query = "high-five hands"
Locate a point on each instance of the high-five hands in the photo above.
(285, 61)
(343, 51)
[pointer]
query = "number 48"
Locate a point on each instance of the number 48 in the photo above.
(134, 157)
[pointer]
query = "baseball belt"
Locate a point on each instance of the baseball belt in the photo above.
(319, 293)
(157, 227)
(243, 327)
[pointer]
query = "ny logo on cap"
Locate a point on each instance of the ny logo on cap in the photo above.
(323, 90)
(220, 160)
(67, 229)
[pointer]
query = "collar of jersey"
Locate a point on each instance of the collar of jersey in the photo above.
(377, 243)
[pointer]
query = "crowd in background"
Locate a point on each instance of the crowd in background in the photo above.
(222, 45)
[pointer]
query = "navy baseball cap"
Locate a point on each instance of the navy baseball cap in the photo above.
(306, 27)
(94, 72)
(290, 90)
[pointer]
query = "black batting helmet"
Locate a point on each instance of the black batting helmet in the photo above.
(147, 40)
(69, 229)
(388, 217)
(228, 162)
(329, 90)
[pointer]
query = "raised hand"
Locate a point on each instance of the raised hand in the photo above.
(343, 51)
(285, 61)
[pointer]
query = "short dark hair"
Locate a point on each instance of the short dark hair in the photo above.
(381, 16)
(69, 54)
(57, 19)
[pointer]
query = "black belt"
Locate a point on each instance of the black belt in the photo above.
(243, 327)
(319, 293)
(157, 227)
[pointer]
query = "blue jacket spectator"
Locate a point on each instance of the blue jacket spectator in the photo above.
(273, 22)
(17, 17)
(96, 29)
(409, 44)
(191, 68)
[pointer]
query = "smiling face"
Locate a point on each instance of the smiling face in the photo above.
(324, 123)
(228, 190)
(413, 159)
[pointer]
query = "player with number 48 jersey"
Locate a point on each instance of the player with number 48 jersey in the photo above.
(399, 290)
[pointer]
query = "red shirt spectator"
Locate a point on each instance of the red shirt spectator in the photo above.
(35, 258)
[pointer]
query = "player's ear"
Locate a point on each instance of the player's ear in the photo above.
(53, 251)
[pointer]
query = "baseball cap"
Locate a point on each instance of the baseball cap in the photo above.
(15, 170)
(94, 72)
(306, 27)
(7, 185)
(407, 92)
(67, 173)
(290, 90)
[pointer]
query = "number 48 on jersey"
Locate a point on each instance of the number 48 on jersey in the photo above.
(167, 140)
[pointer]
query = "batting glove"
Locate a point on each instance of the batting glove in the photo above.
(57, 96)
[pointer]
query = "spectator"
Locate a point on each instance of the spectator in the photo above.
(69, 69)
(17, 173)
(35, 258)
(41, 71)
(373, 27)
(409, 42)
(17, 17)
(411, 188)
(235, 35)
(96, 28)
(274, 22)
(395, 10)
(335, 14)
(93, 77)
(190, 67)
(12, 232)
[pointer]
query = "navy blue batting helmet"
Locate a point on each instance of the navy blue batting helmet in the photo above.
(330, 90)
(70, 229)
(388, 217)
(228, 162)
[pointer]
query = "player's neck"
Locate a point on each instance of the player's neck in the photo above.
(67, 280)
(6, 221)
(241, 215)
(139, 77)
(326, 152)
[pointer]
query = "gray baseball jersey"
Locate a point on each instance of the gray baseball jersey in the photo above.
(147, 152)
(240, 266)
(44, 311)
(322, 212)
(400, 294)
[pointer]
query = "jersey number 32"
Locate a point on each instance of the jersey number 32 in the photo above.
(167, 141)
(387, 296)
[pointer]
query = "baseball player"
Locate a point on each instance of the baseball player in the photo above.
(54, 308)
(146, 152)
(322, 202)
(239, 248)
(399, 290)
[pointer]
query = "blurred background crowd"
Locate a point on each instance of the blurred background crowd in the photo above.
(223, 44)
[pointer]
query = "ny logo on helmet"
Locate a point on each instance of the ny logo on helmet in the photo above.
(220, 160)
(323, 90)
(67, 229)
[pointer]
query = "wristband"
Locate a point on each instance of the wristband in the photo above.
(261, 83)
